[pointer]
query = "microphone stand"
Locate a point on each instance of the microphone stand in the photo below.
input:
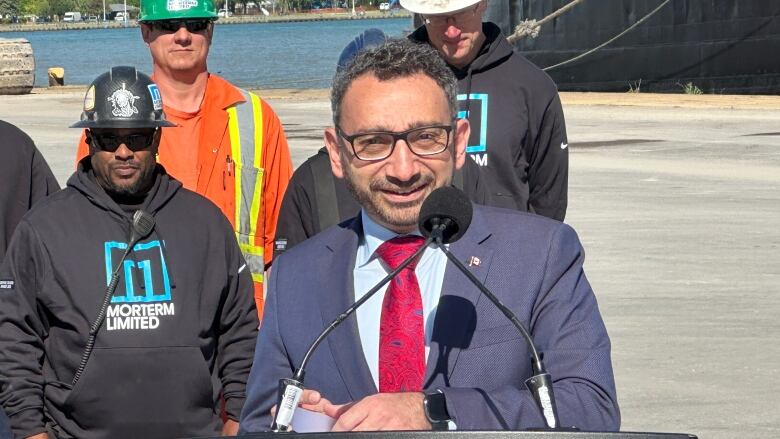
(291, 389)
(540, 384)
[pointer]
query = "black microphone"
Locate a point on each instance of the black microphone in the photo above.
(444, 217)
(291, 389)
(449, 208)
(142, 225)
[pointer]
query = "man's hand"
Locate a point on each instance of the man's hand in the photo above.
(230, 428)
(38, 436)
(383, 411)
(310, 400)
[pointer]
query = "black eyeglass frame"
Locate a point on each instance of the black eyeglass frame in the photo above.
(402, 135)
(193, 25)
(135, 141)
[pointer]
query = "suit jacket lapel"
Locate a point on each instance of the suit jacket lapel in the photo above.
(339, 294)
(456, 313)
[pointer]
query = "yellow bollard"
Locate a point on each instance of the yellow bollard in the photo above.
(56, 76)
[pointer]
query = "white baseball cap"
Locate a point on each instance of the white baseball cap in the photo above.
(434, 7)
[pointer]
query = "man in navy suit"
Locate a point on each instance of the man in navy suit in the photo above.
(428, 352)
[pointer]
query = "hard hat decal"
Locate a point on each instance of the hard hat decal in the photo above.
(181, 5)
(89, 99)
(123, 102)
(156, 96)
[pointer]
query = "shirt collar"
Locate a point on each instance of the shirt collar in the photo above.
(374, 235)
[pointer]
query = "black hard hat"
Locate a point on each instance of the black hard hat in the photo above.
(371, 37)
(123, 97)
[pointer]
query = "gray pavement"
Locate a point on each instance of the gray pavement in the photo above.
(679, 212)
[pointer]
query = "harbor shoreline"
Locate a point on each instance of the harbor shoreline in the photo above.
(677, 210)
(663, 100)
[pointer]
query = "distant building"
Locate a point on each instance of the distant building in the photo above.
(115, 8)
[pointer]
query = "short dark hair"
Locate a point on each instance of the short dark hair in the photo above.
(396, 58)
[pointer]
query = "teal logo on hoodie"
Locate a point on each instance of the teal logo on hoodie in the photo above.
(144, 272)
(143, 294)
(477, 114)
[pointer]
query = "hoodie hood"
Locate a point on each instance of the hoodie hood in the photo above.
(159, 194)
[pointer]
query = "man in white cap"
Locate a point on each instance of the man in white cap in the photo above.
(518, 133)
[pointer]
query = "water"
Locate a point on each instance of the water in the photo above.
(264, 55)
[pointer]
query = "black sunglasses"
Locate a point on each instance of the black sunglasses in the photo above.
(193, 26)
(111, 142)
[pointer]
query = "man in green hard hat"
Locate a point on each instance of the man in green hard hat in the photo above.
(228, 144)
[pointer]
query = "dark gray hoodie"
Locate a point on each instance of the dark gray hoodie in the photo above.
(518, 133)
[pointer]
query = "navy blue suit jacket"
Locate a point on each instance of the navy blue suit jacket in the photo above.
(477, 357)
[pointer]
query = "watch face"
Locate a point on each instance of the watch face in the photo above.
(436, 409)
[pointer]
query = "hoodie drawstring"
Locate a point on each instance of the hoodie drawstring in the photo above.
(165, 257)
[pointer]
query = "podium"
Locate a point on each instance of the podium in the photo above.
(470, 435)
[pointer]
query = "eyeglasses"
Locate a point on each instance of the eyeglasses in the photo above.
(459, 17)
(193, 26)
(110, 142)
(375, 146)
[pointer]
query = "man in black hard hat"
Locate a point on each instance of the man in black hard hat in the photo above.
(152, 354)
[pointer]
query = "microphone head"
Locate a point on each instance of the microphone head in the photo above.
(446, 203)
(143, 223)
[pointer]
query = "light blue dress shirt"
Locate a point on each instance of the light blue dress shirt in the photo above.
(369, 270)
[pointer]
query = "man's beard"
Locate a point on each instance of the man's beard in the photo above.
(400, 216)
(137, 188)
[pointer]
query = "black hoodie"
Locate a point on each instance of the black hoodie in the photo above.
(180, 328)
(25, 178)
(518, 133)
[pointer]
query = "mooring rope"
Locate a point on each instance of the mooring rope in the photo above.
(610, 41)
(531, 28)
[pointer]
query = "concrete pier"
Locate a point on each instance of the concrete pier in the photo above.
(677, 202)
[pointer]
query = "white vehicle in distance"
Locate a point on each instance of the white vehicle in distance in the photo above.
(384, 6)
(120, 16)
(224, 13)
(72, 16)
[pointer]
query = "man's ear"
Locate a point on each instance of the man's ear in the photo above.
(334, 151)
(146, 31)
(156, 141)
(88, 139)
(461, 133)
(210, 32)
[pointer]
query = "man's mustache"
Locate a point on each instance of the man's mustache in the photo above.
(395, 185)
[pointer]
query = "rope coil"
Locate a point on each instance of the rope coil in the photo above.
(521, 31)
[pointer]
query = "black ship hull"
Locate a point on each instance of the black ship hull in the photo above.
(717, 46)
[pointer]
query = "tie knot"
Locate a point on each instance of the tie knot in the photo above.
(396, 250)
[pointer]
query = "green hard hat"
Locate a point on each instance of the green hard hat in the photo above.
(153, 10)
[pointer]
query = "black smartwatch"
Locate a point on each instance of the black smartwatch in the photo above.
(435, 405)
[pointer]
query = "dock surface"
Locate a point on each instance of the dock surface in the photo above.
(677, 203)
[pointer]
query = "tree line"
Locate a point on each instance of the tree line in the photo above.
(51, 8)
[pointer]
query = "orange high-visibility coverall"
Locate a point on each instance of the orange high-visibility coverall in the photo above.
(220, 163)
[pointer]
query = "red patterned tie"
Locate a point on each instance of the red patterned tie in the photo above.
(401, 332)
